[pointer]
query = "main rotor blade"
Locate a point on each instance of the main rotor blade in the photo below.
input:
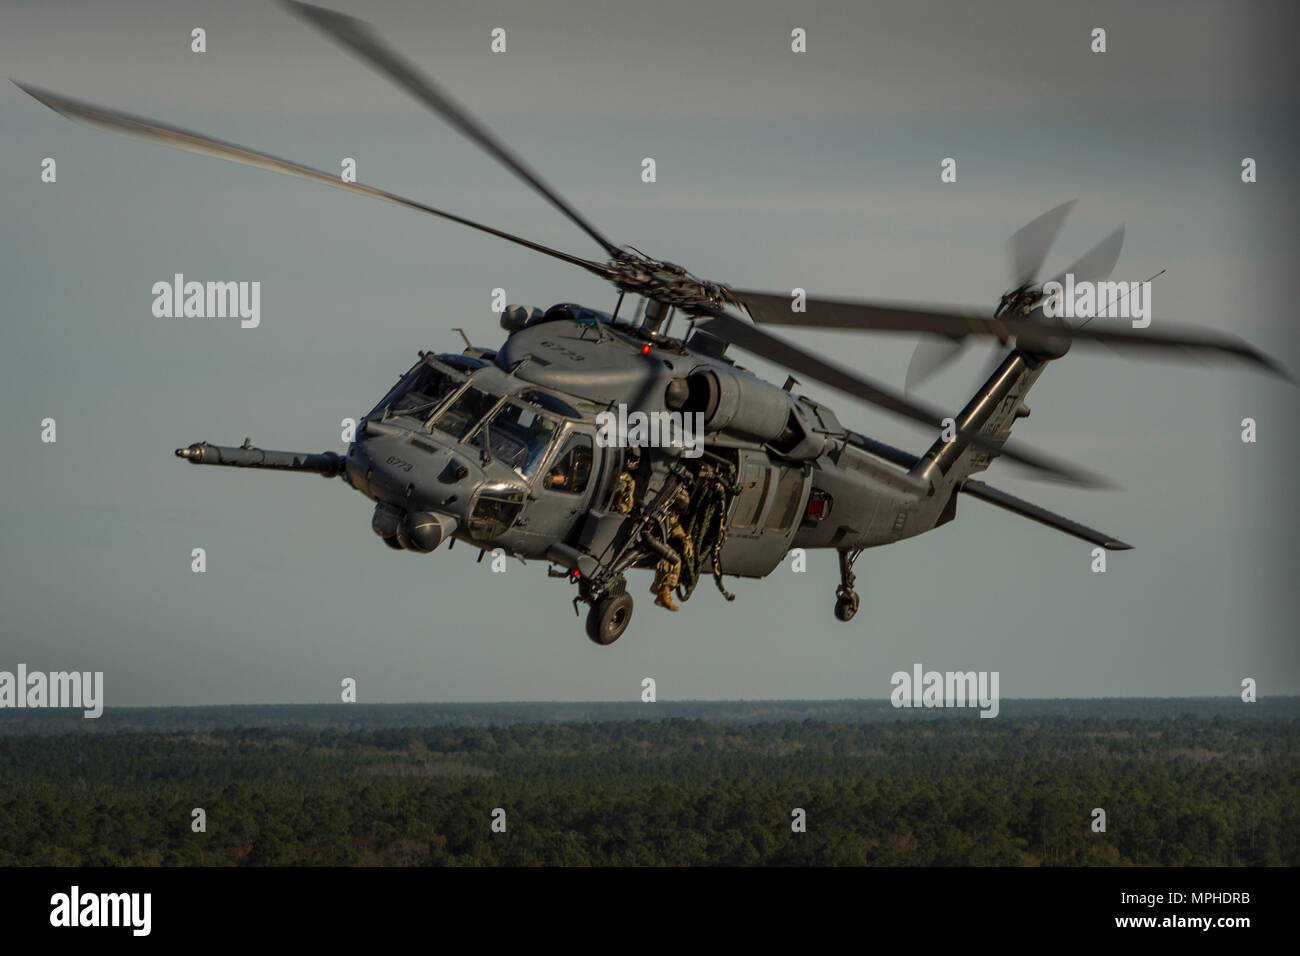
(1189, 340)
(197, 143)
(1029, 246)
(358, 36)
(769, 308)
(753, 339)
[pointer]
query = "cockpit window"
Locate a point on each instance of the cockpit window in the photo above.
(571, 469)
(494, 511)
(517, 436)
(421, 391)
(465, 412)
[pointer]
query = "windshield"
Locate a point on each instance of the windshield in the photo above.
(517, 436)
(421, 391)
(465, 412)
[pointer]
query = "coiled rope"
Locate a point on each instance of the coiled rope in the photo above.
(710, 502)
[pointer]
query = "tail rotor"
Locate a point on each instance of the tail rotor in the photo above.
(1027, 251)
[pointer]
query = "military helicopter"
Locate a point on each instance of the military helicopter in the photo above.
(502, 448)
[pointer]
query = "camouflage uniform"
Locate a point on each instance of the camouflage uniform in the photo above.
(625, 493)
(668, 573)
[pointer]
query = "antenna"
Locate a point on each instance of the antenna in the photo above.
(1110, 305)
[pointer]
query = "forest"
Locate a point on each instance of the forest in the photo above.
(1015, 791)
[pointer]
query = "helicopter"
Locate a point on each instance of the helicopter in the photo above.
(513, 449)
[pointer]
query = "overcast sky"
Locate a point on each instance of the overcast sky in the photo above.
(775, 170)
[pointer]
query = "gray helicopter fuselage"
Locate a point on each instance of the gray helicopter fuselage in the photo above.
(432, 480)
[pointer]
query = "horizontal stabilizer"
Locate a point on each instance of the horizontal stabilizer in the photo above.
(978, 489)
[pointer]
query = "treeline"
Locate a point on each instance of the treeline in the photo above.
(25, 721)
(673, 792)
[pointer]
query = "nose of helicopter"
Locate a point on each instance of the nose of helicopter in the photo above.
(410, 472)
(422, 488)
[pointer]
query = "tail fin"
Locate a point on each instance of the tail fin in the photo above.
(990, 414)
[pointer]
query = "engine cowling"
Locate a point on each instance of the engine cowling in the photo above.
(733, 401)
(751, 408)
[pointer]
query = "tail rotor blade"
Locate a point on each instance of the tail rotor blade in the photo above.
(1026, 252)
(1097, 263)
(1028, 248)
(931, 357)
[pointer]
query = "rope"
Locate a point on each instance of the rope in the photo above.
(710, 501)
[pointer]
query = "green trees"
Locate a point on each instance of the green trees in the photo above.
(675, 792)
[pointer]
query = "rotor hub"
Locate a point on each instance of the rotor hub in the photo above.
(668, 283)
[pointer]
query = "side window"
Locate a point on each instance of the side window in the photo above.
(494, 511)
(420, 390)
(571, 471)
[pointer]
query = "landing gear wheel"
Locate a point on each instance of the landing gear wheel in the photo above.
(393, 543)
(846, 599)
(609, 618)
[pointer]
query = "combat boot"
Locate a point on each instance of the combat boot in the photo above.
(664, 598)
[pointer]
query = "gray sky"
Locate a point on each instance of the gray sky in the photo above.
(775, 170)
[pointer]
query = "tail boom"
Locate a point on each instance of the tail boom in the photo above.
(997, 406)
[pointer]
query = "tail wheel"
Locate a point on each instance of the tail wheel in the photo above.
(609, 618)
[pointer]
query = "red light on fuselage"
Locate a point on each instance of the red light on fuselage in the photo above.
(645, 350)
